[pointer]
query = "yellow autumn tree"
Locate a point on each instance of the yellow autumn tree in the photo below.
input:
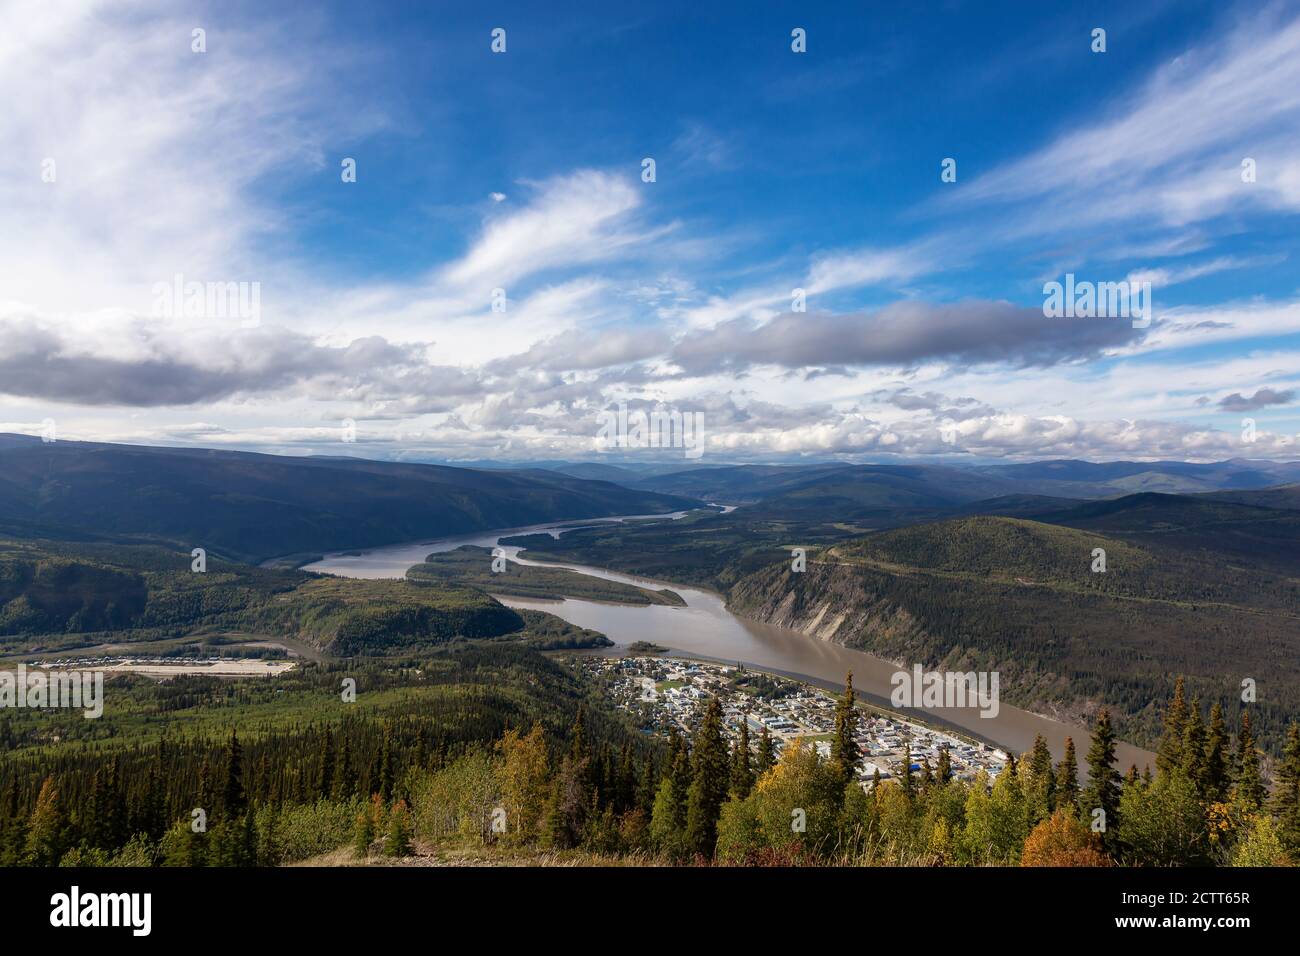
(524, 774)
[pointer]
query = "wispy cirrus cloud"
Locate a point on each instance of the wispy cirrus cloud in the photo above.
(1173, 149)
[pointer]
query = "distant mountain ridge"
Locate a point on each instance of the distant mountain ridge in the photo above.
(250, 506)
(863, 487)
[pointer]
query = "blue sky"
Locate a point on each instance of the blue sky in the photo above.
(775, 170)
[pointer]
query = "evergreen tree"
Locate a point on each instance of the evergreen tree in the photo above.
(943, 773)
(232, 791)
(1286, 791)
(397, 841)
(104, 823)
(207, 789)
(1193, 766)
(13, 827)
(1248, 790)
(1067, 778)
(905, 768)
(326, 771)
(646, 787)
(1040, 788)
(47, 828)
(363, 833)
(1216, 757)
(573, 795)
(679, 786)
(246, 854)
(766, 753)
(269, 850)
(844, 745)
(578, 737)
(742, 772)
(1103, 791)
(1169, 753)
(709, 781)
(386, 774)
(626, 780)
(344, 779)
(180, 846)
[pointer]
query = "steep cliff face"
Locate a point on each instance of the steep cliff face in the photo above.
(909, 618)
(831, 602)
(1027, 600)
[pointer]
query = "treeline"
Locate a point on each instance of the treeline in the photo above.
(291, 774)
(389, 786)
(709, 802)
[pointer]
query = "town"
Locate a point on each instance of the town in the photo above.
(662, 693)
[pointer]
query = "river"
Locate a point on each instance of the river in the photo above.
(705, 628)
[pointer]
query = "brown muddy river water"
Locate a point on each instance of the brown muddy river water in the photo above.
(705, 628)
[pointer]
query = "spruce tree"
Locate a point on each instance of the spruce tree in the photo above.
(1169, 752)
(905, 768)
(742, 771)
(844, 744)
(943, 773)
(326, 770)
(386, 772)
(363, 833)
(626, 780)
(679, 787)
(1041, 786)
(709, 781)
(647, 785)
(766, 753)
(344, 779)
(1216, 757)
(1248, 790)
(1103, 789)
(232, 791)
(1193, 766)
(1067, 778)
(397, 841)
(1286, 791)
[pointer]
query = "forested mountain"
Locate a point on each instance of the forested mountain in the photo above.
(252, 507)
(1216, 529)
(61, 598)
(1022, 598)
(787, 488)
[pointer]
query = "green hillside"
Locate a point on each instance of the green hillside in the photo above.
(252, 507)
(59, 598)
(1020, 597)
(1217, 530)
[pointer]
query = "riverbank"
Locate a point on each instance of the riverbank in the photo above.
(704, 627)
